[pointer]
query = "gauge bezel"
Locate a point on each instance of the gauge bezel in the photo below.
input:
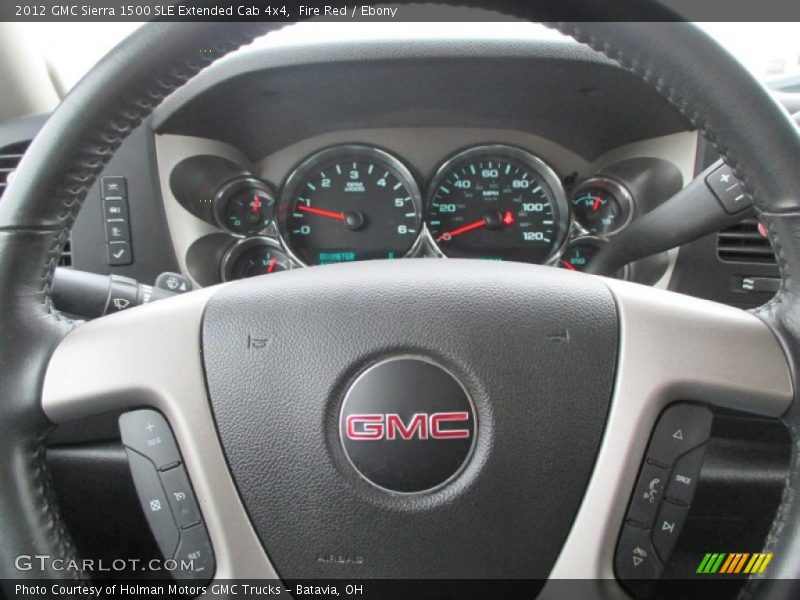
(615, 188)
(240, 246)
(301, 170)
(597, 241)
(234, 185)
(561, 206)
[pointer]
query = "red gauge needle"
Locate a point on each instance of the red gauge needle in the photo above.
(568, 266)
(472, 226)
(255, 206)
(272, 264)
(491, 221)
(320, 212)
(597, 201)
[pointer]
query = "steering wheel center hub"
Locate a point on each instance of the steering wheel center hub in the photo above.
(447, 421)
(407, 425)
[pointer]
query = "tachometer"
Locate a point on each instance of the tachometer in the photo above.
(497, 202)
(350, 203)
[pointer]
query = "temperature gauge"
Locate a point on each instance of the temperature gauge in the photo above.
(580, 252)
(602, 206)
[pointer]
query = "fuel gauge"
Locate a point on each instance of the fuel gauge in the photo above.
(602, 206)
(252, 257)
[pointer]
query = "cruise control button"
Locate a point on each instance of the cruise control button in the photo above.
(147, 432)
(180, 495)
(154, 503)
(668, 527)
(195, 557)
(683, 481)
(648, 493)
(636, 563)
(681, 428)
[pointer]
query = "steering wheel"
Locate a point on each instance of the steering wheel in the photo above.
(545, 462)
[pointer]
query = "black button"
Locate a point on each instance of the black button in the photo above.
(115, 209)
(147, 432)
(681, 428)
(173, 282)
(636, 563)
(683, 481)
(181, 498)
(119, 253)
(648, 493)
(117, 230)
(766, 285)
(113, 187)
(195, 557)
(154, 503)
(667, 529)
(728, 190)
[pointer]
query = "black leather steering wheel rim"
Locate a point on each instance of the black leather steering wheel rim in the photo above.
(735, 113)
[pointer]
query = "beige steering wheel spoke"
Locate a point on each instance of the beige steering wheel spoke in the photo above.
(152, 358)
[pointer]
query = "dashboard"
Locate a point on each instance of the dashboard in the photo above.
(409, 193)
(297, 156)
(530, 151)
(294, 155)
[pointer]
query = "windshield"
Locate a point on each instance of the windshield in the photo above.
(771, 51)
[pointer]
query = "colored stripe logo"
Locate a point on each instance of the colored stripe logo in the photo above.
(733, 563)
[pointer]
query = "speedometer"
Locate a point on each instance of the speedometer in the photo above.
(350, 203)
(497, 202)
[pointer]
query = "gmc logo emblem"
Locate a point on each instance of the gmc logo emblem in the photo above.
(422, 426)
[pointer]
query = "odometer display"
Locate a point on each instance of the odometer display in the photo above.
(350, 203)
(497, 202)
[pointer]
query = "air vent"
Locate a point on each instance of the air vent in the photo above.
(743, 243)
(9, 159)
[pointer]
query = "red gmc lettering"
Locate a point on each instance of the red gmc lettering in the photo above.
(371, 427)
(448, 434)
(394, 424)
(420, 426)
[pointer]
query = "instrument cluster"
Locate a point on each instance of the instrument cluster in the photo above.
(357, 202)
